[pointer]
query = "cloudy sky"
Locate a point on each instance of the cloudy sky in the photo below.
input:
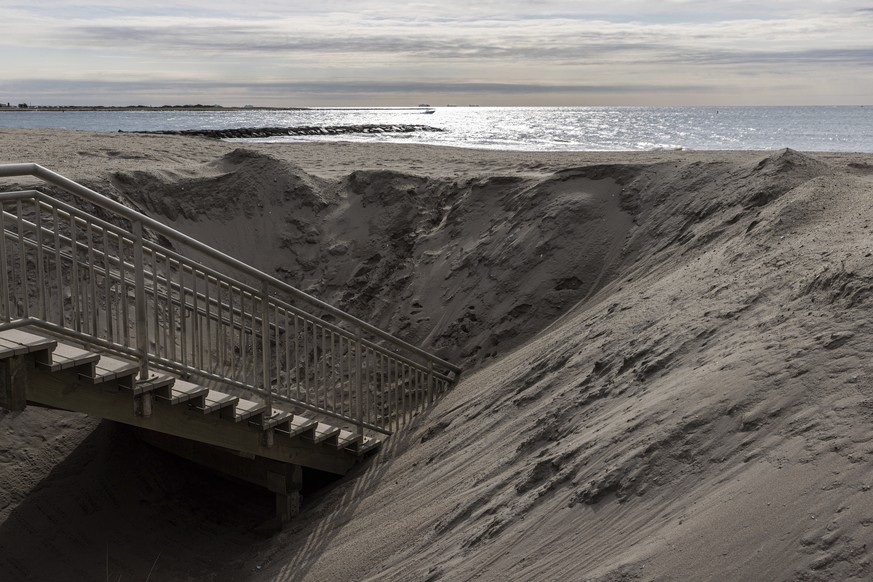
(488, 52)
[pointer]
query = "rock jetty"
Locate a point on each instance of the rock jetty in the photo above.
(255, 132)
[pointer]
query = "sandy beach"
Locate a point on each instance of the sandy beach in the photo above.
(666, 364)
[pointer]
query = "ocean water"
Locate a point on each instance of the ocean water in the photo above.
(844, 129)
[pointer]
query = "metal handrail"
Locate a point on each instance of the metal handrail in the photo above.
(242, 332)
(112, 230)
(37, 171)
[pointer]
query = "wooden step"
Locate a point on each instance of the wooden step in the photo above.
(66, 356)
(325, 433)
(107, 369)
(368, 444)
(159, 385)
(215, 401)
(348, 440)
(300, 426)
(182, 391)
(278, 420)
(96, 369)
(249, 410)
(16, 342)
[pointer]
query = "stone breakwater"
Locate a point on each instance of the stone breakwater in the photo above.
(254, 132)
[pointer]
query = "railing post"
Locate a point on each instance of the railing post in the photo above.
(265, 347)
(359, 383)
(142, 330)
(430, 394)
(5, 312)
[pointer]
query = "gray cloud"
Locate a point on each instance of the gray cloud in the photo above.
(859, 56)
(536, 40)
(493, 47)
(60, 87)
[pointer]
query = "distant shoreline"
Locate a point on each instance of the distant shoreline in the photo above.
(61, 108)
(77, 108)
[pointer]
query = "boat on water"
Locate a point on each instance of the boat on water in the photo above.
(426, 111)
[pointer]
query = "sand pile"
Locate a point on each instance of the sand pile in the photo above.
(668, 355)
(468, 266)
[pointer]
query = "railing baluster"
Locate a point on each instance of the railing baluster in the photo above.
(156, 303)
(197, 325)
(183, 316)
(76, 294)
(122, 283)
(430, 386)
(359, 387)
(401, 392)
(397, 381)
(40, 257)
(408, 390)
(25, 295)
(93, 314)
(162, 283)
(218, 327)
(58, 267)
(278, 351)
(305, 361)
(346, 389)
(208, 308)
(254, 338)
(326, 389)
(242, 359)
(107, 286)
(231, 355)
(287, 356)
(413, 392)
(265, 345)
(380, 373)
(171, 312)
(316, 387)
(297, 355)
(331, 385)
(367, 401)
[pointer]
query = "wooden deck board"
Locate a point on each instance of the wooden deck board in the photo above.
(246, 409)
(108, 368)
(66, 356)
(182, 391)
(16, 342)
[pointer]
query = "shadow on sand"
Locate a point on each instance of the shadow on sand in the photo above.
(291, 554)
(118, 509)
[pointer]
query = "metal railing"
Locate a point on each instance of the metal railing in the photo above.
(127, 284)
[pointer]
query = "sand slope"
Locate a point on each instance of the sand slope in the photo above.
(685, 395)
(704, 416)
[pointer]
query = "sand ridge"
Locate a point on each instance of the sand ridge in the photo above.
(685, 398)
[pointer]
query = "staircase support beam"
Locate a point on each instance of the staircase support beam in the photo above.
(65, 391)
(285, 480)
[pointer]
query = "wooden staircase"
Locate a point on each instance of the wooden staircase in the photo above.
(39, 370)
(118, 316)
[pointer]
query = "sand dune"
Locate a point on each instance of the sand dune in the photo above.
(668, 357)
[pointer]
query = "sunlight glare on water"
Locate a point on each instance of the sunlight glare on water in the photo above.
(519, 128)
